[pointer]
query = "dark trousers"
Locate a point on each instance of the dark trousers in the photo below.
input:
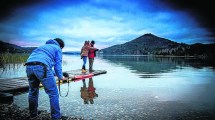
(91, 60)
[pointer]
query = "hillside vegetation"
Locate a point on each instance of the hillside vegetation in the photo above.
(150, 44)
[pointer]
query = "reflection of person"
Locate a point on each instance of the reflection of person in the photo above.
(91, 91)
(84, 93)
(92, 55)
(39, 69)
(84, 54)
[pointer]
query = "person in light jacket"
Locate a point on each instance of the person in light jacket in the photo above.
(39, 70)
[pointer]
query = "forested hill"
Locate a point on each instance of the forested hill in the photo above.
(149, 44)
(11, 48)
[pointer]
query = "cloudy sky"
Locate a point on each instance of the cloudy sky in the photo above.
(108, 22)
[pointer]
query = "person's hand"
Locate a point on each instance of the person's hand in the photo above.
(63, 78)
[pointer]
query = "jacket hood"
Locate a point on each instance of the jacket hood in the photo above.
(52, 42)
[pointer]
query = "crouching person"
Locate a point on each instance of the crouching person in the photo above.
(39, 70)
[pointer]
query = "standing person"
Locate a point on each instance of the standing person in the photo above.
(92, 55)
(84, 54)
(39, 69)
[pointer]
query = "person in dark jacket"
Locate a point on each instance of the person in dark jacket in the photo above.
(39, 70)
(92, 55)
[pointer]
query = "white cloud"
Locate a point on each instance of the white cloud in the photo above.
(108, 24)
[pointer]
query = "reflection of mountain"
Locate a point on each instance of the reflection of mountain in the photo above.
(148, 66)
(143, 64)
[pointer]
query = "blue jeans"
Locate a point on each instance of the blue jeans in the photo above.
(35, 75)
(84, 60)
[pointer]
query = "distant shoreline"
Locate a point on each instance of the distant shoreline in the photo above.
(170, 56)
(151, 55)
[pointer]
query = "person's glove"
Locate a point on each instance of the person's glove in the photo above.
(81, 57)
(65, 77)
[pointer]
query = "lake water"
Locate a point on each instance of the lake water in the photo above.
(135, 87)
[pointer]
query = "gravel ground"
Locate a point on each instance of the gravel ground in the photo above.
(13, 112)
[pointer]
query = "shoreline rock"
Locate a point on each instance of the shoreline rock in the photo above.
(13, 112)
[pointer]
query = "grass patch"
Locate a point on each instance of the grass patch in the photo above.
(13, 58)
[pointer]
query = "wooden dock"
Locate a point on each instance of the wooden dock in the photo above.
(21, 84)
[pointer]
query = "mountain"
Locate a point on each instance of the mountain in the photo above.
(149, 44)
(11, 48)
(72, 52)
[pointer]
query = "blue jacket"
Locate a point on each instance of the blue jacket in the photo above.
(49, 54)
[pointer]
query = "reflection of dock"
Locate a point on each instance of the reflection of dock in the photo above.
(19, 84)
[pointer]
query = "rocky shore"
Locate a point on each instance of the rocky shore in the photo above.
(13, 112)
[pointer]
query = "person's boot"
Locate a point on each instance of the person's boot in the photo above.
(84, 69)
(91, 70)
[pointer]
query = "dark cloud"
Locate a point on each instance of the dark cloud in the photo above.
(201, 10)
(7, 7)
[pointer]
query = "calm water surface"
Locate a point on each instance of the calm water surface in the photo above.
(135, 87)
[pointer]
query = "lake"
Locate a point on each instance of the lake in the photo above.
(134, 87)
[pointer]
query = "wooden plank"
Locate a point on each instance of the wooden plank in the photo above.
(23, 88)
(13, 87)
(13, 84)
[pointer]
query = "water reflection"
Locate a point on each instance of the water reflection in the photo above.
(13, 70)
(84, 93)
(143, 66)
(187, 88)
(88, 94)
(152, 67)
